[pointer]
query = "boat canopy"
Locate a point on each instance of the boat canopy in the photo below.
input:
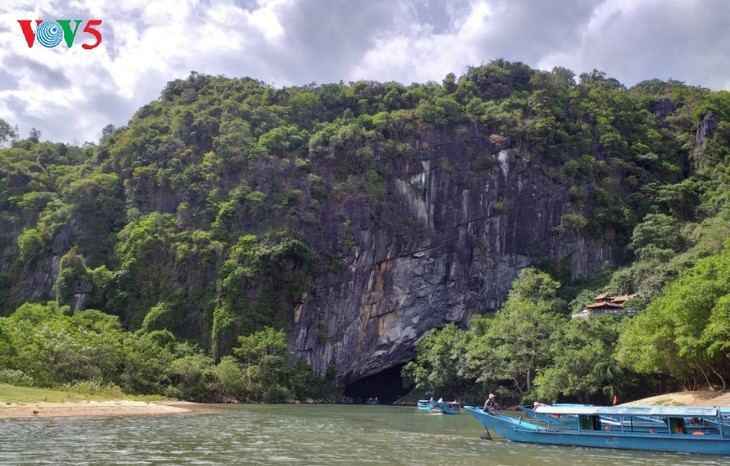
(628, 410)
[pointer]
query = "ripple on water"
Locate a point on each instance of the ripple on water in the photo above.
(293, 434)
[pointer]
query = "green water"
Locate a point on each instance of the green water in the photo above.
(296, 435)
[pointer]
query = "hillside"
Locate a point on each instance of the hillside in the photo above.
(357, 217)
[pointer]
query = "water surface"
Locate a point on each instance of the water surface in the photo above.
(293, 435)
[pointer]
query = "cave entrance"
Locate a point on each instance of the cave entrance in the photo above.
(386, 385)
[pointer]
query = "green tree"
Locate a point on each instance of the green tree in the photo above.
(72, 269)
(146, 357)
(517, 344)
(657, 236)
(264, 358)
(30, 244)
(584, 367)
(7, 132)
(440, 363)
(229, 378)
(190, 374)
(677, 332)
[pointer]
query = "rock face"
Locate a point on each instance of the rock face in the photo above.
(706, 129)
(476, 213)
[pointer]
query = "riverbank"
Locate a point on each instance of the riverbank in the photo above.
(76, 408)
(28, 402)
(688, 398)
(94, 408)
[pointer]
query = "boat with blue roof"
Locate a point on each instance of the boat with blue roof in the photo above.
(591, 431)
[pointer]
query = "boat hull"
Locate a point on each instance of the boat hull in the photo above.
(448, 407)
(523, 431)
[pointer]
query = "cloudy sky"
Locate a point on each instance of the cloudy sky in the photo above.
(70, 94)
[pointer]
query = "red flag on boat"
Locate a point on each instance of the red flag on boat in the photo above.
(615, 400)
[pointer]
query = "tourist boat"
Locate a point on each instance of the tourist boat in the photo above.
(591, 432)
(572, 420)
(424, 404)
(634, 423)
(448, 407)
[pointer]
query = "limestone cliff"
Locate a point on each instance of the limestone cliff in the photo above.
(470, 232)
(356, 217)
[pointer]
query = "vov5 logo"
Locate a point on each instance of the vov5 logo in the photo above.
(50, 33)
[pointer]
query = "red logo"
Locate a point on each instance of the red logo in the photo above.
(50, 33)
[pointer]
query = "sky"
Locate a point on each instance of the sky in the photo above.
(70, 94)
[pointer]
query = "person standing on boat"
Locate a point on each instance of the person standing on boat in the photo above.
(491, 404)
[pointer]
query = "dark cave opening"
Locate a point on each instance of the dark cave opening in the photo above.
(386, 385)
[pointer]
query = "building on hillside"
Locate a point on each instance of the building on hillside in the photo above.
(605, 304)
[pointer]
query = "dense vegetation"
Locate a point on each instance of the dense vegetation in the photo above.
(196, 230)
(47, 345)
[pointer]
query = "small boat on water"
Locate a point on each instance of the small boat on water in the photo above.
(591, 432)
(424, 404)
(448, 407)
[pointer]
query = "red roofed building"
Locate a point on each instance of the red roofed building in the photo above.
(605, 304)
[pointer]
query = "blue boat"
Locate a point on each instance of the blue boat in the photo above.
(424, 404)
(637, 423)
(590, 431)
(448, 407)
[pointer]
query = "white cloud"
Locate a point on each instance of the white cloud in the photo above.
(265, 19)
(634, 41)
(70, 94)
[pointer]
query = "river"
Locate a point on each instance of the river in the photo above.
(293, 435)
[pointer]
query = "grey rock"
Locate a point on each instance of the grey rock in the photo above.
(457, 258)
(707, 128)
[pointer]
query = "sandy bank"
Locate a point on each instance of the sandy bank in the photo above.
(141, 408)
(94, 408)
(688, 398)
